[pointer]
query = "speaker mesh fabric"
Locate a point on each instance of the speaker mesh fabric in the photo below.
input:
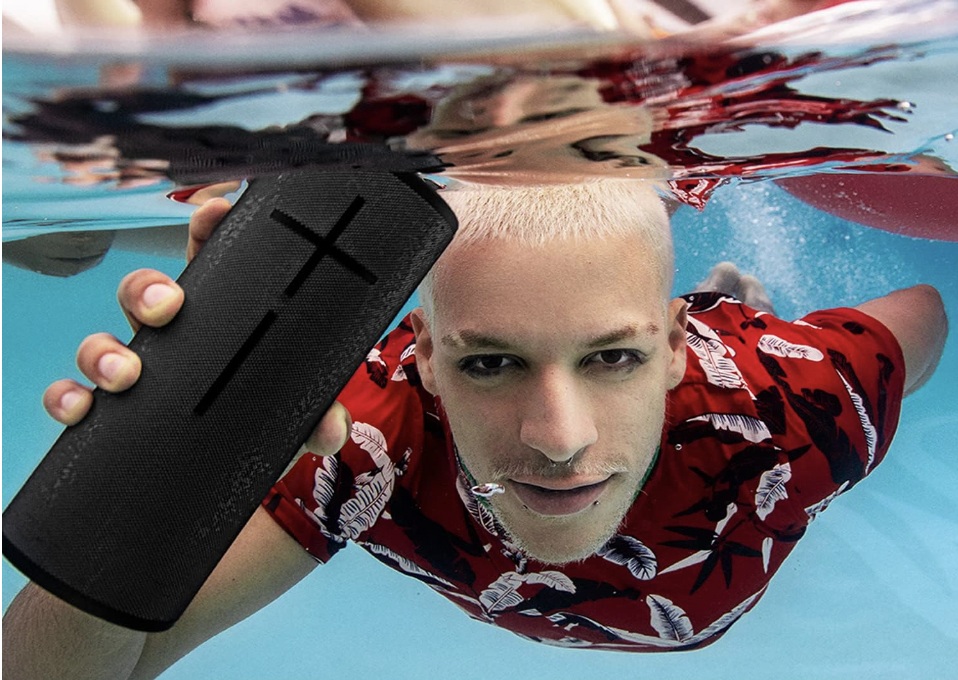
(131, 509)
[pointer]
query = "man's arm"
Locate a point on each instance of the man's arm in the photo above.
(44, 637)
(916, 317)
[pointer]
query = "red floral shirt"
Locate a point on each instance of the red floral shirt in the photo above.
(772, 421)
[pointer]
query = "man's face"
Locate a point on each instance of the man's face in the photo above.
(553, 365)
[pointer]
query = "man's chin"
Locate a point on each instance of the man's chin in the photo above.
(557, 545)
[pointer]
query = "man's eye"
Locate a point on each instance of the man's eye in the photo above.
(486, 365)
(616, 359)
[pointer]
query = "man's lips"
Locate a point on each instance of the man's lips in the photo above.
(555, 497)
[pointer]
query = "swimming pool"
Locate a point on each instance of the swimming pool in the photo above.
(872, 589)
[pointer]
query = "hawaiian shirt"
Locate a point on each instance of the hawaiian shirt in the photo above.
(771, 423)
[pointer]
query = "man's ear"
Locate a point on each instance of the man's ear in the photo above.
(424, 349)
(678, 319)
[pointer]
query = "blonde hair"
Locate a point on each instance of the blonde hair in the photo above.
(533, 216)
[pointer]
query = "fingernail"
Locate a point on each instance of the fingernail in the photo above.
(69, 400)
(110, 365)
(156, 294)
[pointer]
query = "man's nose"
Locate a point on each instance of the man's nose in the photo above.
(557, 419)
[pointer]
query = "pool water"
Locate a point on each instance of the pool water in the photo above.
(872, 589)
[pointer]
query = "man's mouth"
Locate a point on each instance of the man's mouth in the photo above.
(558, 497)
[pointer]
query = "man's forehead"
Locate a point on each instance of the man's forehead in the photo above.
(475, 338)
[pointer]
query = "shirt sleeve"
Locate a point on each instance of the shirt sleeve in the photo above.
(325, 501)
(836, 382)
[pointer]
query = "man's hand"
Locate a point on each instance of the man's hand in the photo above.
(151, 298)
(727, 279)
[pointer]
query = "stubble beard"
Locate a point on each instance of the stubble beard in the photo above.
(545, 539)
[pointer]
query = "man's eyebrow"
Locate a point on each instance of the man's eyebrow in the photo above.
(630, 332)
(467, 339)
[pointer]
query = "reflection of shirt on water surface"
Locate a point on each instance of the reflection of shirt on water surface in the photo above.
(772, 421)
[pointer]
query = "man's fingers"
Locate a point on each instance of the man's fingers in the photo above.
(203, 222)
(148, 297)
(108, 363)
(67, 401)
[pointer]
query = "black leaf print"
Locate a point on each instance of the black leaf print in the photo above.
(552, 600)
(853, 327)
(818, 410)
(723, 488)
(726, 560)
(412, 374)
(754, 322)
(707, 567)
(434, 544)
(694, 429)
(377, 372)
(844, 366)
(699, 302)
(342, 492)
(736, 548)
(771, 409)
(701, 539)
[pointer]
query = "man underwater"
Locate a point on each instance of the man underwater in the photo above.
(550, 442)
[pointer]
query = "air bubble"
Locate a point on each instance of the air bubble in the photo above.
(949, 137)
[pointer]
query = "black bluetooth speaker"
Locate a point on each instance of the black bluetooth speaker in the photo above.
(132, 508)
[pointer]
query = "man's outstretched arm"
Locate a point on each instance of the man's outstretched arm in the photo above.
(916, 317)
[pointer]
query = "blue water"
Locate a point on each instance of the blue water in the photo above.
(871, 591)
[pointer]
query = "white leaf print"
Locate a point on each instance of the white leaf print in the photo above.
(871, 436)
(361, 512)
(479, 512)
(553, 579)
(713, 356)
(751, 429)
(772, 344)
(375, 356)
(668, 619)
(632, 554)
(324, 484)
(408, 566)
(372, 441)
(766, 552)
(726, 620)
(399, 374)
(689, 561)
(710, 335)
(730, 510)
(567, 621)
(823, 504)
(408, 352)
(800, 322)
(503, 593)
(771, 489)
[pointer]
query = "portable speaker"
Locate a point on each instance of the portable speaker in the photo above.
(132, 508)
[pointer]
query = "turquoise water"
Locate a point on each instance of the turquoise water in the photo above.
(872, 589)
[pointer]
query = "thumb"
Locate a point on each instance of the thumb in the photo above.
(329, 437)
(332, 433)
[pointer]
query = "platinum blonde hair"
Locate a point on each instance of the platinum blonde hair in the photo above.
(533, 216)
